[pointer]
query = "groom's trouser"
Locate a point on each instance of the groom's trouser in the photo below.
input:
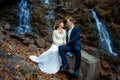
(63, 49)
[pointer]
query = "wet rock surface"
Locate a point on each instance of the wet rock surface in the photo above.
(15, 49)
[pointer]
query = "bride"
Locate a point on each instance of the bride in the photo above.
(50, 60)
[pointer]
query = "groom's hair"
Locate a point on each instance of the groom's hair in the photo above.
(71, 19)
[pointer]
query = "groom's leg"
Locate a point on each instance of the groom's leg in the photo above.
(77, 50)
(62, 50)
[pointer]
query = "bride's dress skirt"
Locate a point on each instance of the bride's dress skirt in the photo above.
(49, 61)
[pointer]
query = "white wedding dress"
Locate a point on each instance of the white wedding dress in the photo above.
(50, 60)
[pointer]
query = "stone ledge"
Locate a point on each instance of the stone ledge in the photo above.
(90, 66)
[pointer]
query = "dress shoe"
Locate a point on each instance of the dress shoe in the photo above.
(64, 67)
(76, 73)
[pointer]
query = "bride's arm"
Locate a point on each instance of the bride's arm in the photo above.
(55, 40)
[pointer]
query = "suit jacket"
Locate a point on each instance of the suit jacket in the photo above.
(74, 37)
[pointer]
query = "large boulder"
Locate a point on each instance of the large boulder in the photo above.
(90, 66)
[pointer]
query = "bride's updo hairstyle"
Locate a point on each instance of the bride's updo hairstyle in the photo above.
(57, 22)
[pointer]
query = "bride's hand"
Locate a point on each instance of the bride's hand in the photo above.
(64, 42)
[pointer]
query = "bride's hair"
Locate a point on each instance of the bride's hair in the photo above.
(57, 22)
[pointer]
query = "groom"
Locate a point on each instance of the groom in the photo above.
(72, 45)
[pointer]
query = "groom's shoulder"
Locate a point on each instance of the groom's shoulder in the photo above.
(77, 27)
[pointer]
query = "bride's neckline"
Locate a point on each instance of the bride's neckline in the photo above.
(60, 31)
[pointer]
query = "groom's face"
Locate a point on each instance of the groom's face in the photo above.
(68, 23)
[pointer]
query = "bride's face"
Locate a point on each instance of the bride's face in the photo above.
(61, 24)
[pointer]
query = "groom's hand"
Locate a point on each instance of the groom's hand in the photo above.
(64, 42)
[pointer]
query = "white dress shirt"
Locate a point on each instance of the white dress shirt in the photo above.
(69, 33)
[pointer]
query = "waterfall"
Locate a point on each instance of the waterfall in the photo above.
(46, 2)
(105, 41)
(23, 18)
(50, 15)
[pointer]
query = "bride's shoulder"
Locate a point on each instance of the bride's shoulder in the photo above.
(64, 30)
(54, 31)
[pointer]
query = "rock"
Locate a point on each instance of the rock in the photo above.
(105, 65)
(118, 77)
(7, 2)
(55, 78)
(90, 66)
(1, 1)
(47, 44)
(28, 69)
(7, 47)
(32, 47)
(2, 37)
(1, 28)
(40, 42)
(28, 41)
(7, 26)
(34, 1)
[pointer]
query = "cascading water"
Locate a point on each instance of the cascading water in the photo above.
(23, 18)
(46, 2)
(105, 41)
(50, 15)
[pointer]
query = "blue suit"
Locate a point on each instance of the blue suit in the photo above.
(73, 45)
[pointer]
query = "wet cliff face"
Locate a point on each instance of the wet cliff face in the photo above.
(109, 13)
(7, 2)
(107, 10)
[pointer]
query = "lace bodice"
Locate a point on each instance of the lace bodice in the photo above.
(58, 38)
